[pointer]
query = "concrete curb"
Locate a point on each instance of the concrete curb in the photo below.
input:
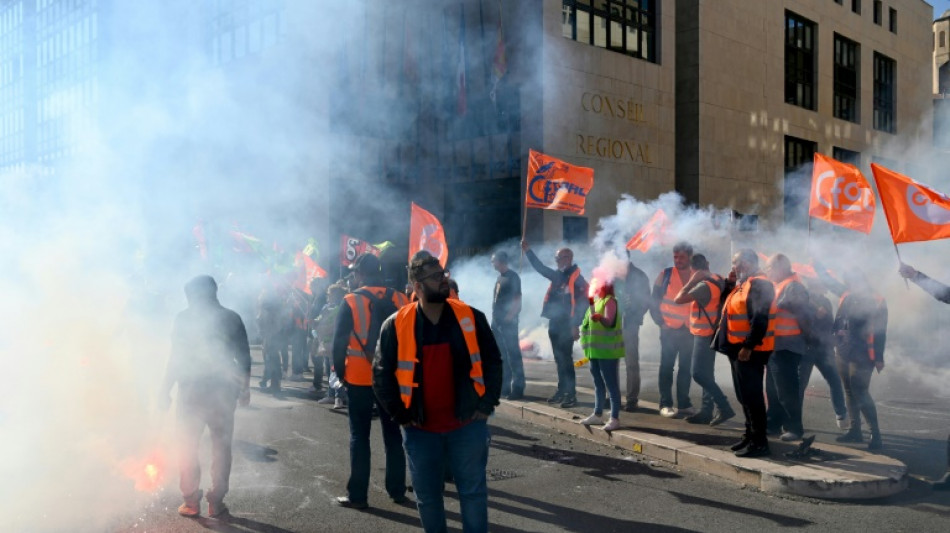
(857, 475)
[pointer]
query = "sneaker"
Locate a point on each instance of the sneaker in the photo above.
(326, 400)
(338, 403)
(190, 510)
(631, 406)
(557, 398)
(700, 417)
(686, 412)
(721, 416)
(667, 412)
(790, 436)
(218, 510)
(850, 436)
(591, 420)
(843, 422)
(612, 424)
(754, 450)
(344, 501)
(569, 401)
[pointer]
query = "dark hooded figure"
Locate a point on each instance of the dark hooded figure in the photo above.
(211, 362)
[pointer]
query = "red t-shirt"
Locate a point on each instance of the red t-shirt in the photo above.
(438, 389)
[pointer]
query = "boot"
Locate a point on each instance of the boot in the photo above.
(875, 443)
(853, 435)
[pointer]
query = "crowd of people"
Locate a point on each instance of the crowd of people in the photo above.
(432, 368)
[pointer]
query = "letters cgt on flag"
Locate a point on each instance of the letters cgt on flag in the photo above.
(654, 229)
(554, 184)
(425, 233)
(351, 248)
(914, 211)
(841, 195)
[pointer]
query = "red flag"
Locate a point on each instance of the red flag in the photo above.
(554, 184)
(654, 229)
(351, 248)
(425, 233)
(309, 271)
(914, 211)
(841, 195)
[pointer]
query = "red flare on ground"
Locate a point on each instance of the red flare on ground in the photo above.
(148, 473)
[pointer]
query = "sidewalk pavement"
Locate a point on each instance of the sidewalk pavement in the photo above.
(831, 472)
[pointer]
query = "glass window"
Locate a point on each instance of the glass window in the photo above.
(846, 156)
(626, 26)
(856, 6)
(878, 12)
(892, 19)
(799, 155)
(847, 54)
(799, 61)
(884, 93)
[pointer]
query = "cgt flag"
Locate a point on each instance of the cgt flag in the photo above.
(554, 184)
(425, 233)
(351, 248)
(914, 211)
(654, 229)
(841, 195)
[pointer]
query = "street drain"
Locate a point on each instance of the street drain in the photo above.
(497, 474)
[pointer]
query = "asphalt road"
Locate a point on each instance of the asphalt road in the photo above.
(291, 460)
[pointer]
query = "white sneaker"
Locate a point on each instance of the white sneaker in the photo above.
(688, 411)
(843, 422)
(668, 412)
(338, 403)
(612, 425)
(789, 436)
(591, 420)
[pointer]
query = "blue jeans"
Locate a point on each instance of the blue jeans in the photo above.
(675, 343)
(562, 343)
(784, 392)
(466, 452)
(824, 360)
(360, 410)
(512, 381)
(704, 374)
(606, 374)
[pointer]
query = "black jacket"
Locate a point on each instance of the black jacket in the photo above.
(467, 400)
(558, 306)
(758, 303)
(635, 298)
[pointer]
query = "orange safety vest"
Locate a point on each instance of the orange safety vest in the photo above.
(699, 324)
(786, 325)
(675, 315)
(359, 364)
(872, 355)
(738, 325)
(407, 353)
(570, 287)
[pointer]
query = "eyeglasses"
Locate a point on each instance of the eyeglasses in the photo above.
(440, 275)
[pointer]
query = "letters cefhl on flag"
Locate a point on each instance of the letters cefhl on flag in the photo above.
(351, 248)
(554, 184)
(841, 195)
(654, 229)
(914, 211)
(426, 233)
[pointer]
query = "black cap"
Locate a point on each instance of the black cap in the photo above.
(367, 264)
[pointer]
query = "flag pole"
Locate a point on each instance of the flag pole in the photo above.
(524, 228)
(901, 261)
(888, 219)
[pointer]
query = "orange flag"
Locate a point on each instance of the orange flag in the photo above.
(914, 211)
(654, 229)
(425, 233)
(554, 184)
(841, 195)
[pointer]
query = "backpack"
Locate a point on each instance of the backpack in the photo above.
(380, 309)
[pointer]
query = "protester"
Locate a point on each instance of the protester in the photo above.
(676, 342)
(270, 323)
(299, 331)
(564, 307)
(745, 336)
(506, 305)
(211, 363)
(820, 352)
(703, 292)
(324, 326)
(635, 301)
(602, 341)
(438, 373)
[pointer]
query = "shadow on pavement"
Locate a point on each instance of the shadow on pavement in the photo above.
(255, 452)
(781, 520)
(235, 524)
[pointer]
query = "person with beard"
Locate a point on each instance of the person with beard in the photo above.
(438, 372)
(211, 363)
(565, 304)
(745, 334)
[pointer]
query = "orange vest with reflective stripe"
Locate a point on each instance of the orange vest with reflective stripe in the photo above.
(699, 325)
(674, 315)
(738, 325)
(359, 364)
(405, 323)
(786, 325)
(570, 288)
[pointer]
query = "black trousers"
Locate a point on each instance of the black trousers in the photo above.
(748, 377)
